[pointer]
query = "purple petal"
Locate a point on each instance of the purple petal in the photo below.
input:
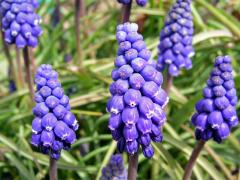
(144, 125)
(114, 121)
(57, 145)
(52, 102)
(145, 140)
(36, 125)
(148, 151)
(36, 140)
(131, 147)
(146, 107)
(59, 111)
(130, 116)
(61, 130)
(117, 104)
(130, 133)
(132, 97)
(150, 89)
(136, 81)
(40, 109)
(215, 119)
(47, 138)
(70, 119)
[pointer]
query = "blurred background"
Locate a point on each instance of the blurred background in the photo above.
(217, 32)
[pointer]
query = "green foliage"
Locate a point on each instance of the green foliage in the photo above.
(217, 32)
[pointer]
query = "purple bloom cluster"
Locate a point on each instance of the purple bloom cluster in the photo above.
(137, 101)
(20, 23)
(175, 48)
(54, 126)
(115, 169)
(139, 2)
(216, 113)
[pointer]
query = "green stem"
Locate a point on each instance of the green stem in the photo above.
(219, 162)
(133, 166)
(53, 169)
(192, 160)
(79, 12)
(126, 12)
(28, 72)
(220, 17)
(110, 151)
(169, 83)
(19, 69)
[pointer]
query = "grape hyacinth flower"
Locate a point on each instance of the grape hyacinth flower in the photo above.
(175, 48)
(54, 126)
(139, 2)
(20, 23)
(115, 169)
(216, 113)
(137, 101)
(12, 86)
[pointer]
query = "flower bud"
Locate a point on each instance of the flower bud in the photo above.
(146, 107)
(144, 140)
(215, 119)
(36, 125)
(144, 125)
(47, 138)
(131, 147)
(130, 116)
(148, 151)
(132, 97)
(136, 81)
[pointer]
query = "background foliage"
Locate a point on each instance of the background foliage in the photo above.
(217, 32)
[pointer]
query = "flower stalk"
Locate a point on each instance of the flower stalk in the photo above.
(133, 166)
(126, 12)
(28, 72)
(79, 12)
(192, 160)
(169, 83)
(19, 68)
(53, 169)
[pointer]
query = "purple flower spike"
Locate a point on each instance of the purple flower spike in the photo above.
(175, 48)
(20, 24)
(54, 126)
(115, 169)
(138, 101)
(216, 113)
(139, 2)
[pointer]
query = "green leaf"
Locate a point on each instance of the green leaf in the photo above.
(176, 168)
(20, 166)
(232, 25)
(211, 34)
(204, 163)
(43, 159)
(107, 157)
